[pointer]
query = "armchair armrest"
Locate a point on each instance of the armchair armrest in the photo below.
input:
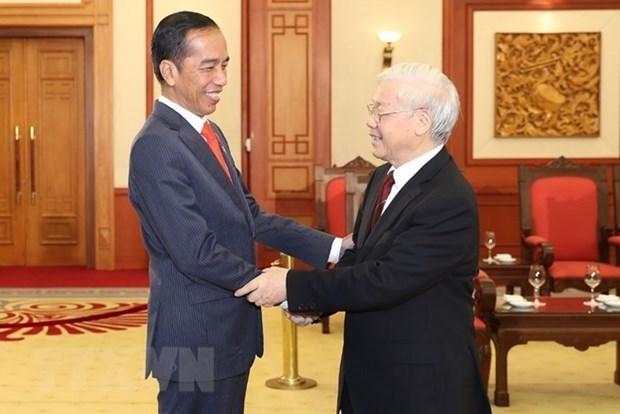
(614, 241)
(542, 251)
(485, 294)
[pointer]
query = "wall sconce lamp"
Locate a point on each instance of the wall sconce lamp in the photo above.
(388, 38)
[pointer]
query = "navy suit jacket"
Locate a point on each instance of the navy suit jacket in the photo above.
(199, 230)
(409, 344)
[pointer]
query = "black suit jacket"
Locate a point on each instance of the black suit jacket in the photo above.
(409, 344)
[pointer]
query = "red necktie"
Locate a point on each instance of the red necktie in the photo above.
(209, 136)
(385, 191)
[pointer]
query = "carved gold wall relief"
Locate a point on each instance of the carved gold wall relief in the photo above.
(547, 84)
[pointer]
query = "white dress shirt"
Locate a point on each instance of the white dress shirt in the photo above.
(404, 173)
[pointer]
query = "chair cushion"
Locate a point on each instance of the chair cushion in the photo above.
(335, 209)
(577, 269)
(479, 325)
(565, 211)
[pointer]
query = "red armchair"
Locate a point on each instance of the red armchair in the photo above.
(336, 206)
(564, 222)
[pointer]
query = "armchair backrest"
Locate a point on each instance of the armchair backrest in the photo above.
(355, 185)
(333, 213)
(566, 204)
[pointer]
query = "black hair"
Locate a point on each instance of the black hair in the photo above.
(169, 37)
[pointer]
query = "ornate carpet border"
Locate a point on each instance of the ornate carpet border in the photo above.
(20, 318)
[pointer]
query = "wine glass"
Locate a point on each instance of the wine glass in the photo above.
(489, 242)
(536, 277)
(592, 279)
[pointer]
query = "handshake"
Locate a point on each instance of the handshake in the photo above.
(269, 289)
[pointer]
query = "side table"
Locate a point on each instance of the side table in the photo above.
(510, 275)
(565, 320)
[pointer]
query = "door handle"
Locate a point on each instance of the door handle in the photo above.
(33, 182)
(18, 179)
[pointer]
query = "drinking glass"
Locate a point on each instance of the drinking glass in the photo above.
(489, 242)
(592, 279)
(536, 277)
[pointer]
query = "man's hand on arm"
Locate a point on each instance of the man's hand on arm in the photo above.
(267, 289)
(347, 243)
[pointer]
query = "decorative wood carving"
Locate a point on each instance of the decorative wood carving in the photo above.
(561, 162)
(547, 84)
(357, 163)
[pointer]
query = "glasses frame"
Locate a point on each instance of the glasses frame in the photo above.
(376, 115)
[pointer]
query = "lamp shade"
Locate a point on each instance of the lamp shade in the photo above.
(389, 37)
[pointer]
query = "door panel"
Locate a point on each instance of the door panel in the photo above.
(12, 162)
(288, 105)
(51, 154)
(56, 228)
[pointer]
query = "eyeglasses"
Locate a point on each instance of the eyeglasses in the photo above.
(376, 115)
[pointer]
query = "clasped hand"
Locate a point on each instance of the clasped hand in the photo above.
(267, 289)
(302, 319)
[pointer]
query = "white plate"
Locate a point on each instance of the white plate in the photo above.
(613, 304)
(607, 298)
(521, 304)
(506, 260)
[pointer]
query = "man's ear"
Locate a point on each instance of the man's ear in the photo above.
(423, 123)
(168, 71)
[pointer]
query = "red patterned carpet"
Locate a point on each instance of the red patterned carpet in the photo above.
(35, 301)
(21, 318)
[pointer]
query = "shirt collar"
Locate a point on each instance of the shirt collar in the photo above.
(404, 173)
(194, 120)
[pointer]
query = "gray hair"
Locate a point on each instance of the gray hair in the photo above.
(430, 89)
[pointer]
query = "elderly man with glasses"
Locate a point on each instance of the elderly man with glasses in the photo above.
(406, 287)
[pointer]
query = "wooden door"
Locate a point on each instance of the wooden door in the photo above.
(287, 86)
(42, 152)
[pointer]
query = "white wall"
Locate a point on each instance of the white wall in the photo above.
(356, 59)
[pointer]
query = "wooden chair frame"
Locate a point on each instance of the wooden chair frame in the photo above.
(616, 186)
(322, 176)
(485, 297)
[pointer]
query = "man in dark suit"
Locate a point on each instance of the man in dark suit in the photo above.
(406, 287)
(199, 225)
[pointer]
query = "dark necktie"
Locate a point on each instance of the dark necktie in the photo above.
(385, 191)
(209, 135)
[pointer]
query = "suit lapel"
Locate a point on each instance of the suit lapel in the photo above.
(404, 199)
(199, 147)
(370, 197)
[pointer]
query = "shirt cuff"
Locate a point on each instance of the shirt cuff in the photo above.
(334, 253)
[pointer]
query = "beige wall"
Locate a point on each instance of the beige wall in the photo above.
(356, 53)
(357, 58)
(130, 69)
